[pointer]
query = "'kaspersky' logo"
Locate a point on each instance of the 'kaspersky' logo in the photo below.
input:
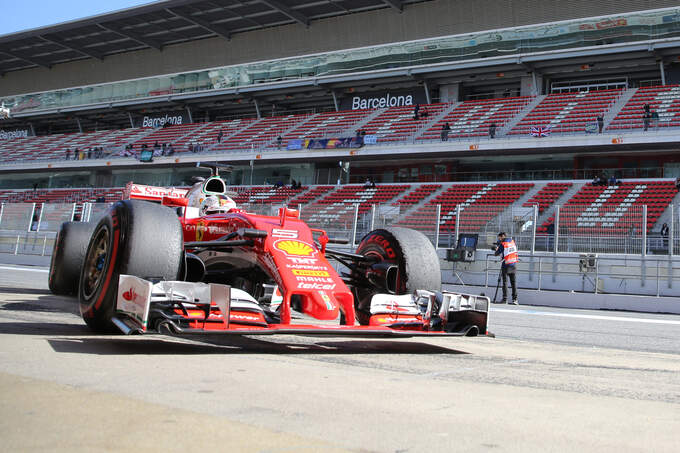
(295, 248)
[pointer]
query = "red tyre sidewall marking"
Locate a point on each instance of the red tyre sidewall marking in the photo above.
(112, 263)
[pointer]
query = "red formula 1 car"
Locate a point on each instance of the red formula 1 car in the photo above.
(197, 264)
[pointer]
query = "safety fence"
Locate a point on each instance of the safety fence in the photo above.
(571, 229)
(630, 274)
(27, 243)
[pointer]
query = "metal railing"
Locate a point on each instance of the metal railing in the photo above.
(632, 275)
(575, 229)
(27, 243)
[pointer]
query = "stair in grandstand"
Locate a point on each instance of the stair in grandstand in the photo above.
(616, 108)
(168, 135)
(397, 124)
(479, 204)
(435, 120)
(328, 124)
(420, 196)
(546, 196)
(567, 112)
(262, 133)
(615, 209)
(548, 214)
(364, 121)
(665, 216)
(535, 100)
(267, 195)
(312, 195)
(472, 118)
(336, 210)
(663, 99)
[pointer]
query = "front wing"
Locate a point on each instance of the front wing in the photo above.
(184, 308)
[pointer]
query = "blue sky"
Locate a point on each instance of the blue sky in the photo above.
(18, 15)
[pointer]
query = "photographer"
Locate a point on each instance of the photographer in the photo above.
(506, 248)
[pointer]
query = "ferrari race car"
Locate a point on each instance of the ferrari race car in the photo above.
(196, 263)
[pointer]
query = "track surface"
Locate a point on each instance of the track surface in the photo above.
(552, 380)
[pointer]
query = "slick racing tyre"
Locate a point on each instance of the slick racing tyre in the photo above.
(134, 238)
(68, 255)
(413, 255)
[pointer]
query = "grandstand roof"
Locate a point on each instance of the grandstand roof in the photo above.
(164, 23)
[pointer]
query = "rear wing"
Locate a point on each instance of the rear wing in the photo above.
(151, 193)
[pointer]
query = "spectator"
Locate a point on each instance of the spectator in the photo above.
(600, 123)
(190, 147)
(293, 184)
(446, 128)
(68, 153)
(664, 230)
(677, 183)
(170, 151)
(369, 183)
(492, 130)
(220, 134)
(35, 187)
(597, 181)
(655, 119)
(89, 153)
(279, 141)
(612, 180)
(416, 110)
(550, 231)
(424, 114)
(156, 145)
(646, 116)
(363, 133)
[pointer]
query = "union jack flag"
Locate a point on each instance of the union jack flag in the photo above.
(540, 131)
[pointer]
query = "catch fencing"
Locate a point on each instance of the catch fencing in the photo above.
(575, 229)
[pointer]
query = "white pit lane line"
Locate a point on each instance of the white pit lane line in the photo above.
(27, 269)
(581, 316)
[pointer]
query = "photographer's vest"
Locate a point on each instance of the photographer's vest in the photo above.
(509, 252)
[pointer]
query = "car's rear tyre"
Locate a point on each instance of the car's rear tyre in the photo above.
(68, 255)
(413, 254)
(135, 238)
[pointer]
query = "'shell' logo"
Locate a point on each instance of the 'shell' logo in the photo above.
(130, 294)
(295, 248)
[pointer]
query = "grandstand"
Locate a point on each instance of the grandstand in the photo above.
(245, 102)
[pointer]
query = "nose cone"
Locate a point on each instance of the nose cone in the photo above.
(321, 305)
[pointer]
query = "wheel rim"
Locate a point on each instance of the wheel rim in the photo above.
(95, 263)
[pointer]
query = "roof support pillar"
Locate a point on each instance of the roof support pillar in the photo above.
(335, 101)
(257, 109)
(663, 73)
(427, 92)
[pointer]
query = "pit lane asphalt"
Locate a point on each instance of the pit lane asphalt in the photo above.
(552, 380)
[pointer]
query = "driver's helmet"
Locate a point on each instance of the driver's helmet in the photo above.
(215, 204)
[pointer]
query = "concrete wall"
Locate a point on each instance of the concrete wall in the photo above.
(423, 20)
